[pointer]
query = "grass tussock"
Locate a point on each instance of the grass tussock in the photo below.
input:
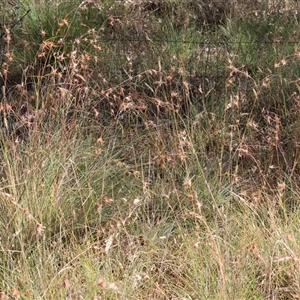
(149, 150)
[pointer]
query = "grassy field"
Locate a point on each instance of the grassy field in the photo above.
(150, 149)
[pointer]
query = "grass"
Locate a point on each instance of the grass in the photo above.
(149, 150)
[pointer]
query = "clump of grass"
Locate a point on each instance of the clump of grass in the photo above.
(149, 150)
